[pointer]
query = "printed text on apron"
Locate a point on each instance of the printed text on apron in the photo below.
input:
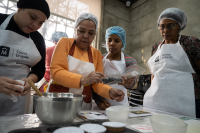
(172, 87)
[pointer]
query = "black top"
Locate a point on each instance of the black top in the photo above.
(39, 68)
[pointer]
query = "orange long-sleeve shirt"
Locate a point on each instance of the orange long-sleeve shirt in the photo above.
(59, 66)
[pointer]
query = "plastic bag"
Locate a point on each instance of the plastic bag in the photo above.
(133, 71)
(130, 72)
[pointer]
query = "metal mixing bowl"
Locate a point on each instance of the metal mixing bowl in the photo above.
(57, 108)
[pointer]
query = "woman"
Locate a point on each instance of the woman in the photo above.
(175, 66)
(116, 61)
(22, 48)
(79, 68)
(49, 51)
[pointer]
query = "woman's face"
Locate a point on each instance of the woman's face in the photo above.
(169, 29)
(30, 20)
(114, 44)
(85, 33)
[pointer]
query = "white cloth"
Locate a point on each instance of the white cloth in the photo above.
(17, 55)
(112, 67)
(79, 67)
(13, 97)
(172, 87)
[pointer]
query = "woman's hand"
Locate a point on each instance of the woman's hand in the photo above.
(126, 82)
(9, 86)
(103, 104)
(117, 95)
(27, 87)
(93, 77)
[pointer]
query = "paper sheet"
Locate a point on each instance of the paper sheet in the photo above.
(138, 113)
(142, 128)
(91, 115)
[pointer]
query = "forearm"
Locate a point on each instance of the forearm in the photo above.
(33, 77)
(152, 76)
(39, 72)
(102, 90)
(66, 78)
(96, 98)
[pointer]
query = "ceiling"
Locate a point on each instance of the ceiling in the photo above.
(131, 1)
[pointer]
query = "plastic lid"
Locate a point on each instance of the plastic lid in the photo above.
(114, 124)
(93, 128)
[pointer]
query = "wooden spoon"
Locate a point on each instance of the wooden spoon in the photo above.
(35, 88)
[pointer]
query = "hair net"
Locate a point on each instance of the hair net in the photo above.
(174, 14)
(116, 30)
(85, 16)
(57, 35)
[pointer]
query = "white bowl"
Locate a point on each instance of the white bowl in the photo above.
(162, 123)
(118, 113)
(69, 130)
(93, 128)
(193, 126)
(114, 126)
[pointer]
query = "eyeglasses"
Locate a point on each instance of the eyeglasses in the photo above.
(168, 26)
(82, 32)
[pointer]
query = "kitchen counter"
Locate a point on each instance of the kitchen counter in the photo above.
(8, 123)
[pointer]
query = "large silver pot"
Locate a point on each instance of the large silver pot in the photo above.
(57, 108)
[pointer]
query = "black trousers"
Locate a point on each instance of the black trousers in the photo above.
(197, 101)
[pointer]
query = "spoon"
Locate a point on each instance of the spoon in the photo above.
(35, 88)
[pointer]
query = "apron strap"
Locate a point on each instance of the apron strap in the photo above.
(6, 21)
(4, 25)
(71, 52)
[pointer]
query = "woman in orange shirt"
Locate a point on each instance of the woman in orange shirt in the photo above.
(49, 52)
(77, 67)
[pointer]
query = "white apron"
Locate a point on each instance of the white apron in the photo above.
(79, 67)
(111, 67)
(172, 88)
(17, 55)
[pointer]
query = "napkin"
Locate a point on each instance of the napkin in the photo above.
(13, 97)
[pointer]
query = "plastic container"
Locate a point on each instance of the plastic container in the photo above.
(119, 113)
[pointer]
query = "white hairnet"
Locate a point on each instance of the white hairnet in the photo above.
(85, 16)
(116, 30)
(174, 14)
(57, 35)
